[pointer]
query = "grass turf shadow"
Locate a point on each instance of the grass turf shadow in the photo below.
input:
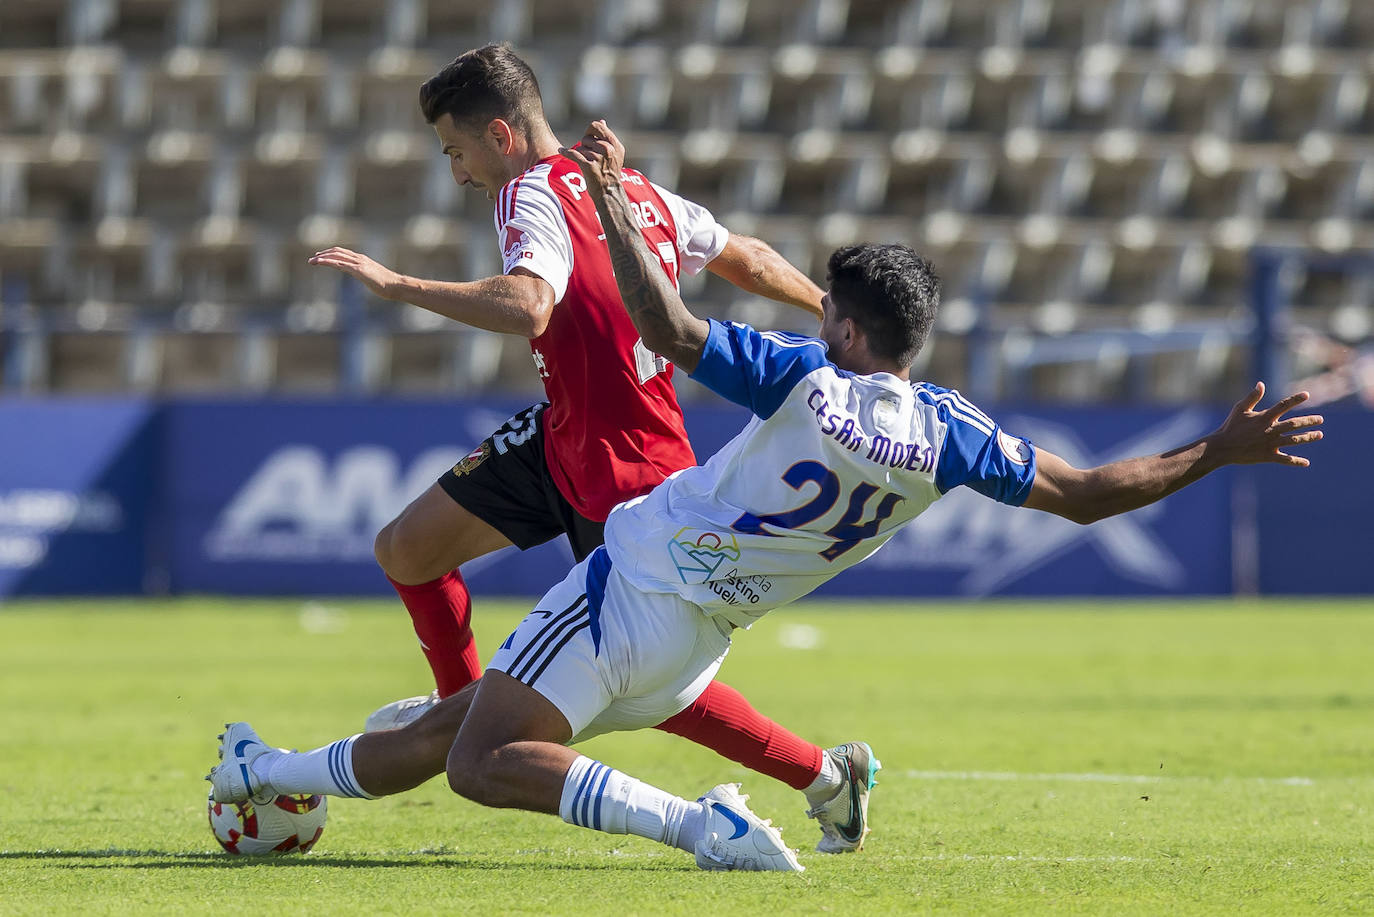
(118, 858)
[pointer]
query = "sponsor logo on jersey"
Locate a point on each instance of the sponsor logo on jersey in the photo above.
(699, 553)
(472, 459)
(513, 240)
(646, 215)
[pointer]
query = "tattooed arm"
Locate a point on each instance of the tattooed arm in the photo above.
(664, 323)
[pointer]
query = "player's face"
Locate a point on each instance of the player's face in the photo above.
(833, 330)
(474, 158)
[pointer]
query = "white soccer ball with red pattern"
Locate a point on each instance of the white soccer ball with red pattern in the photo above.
(287, 824)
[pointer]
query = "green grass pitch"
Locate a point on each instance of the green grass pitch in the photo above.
(1114, 758)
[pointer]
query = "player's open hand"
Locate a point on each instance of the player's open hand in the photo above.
(378, 278)
(1249, 436)
(600, 156)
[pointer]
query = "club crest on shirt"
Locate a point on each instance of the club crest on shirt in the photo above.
(472, 459)
(699, 553)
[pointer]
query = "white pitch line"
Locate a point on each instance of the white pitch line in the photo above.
(1009, 777)
(1019, 858)
(668, 855)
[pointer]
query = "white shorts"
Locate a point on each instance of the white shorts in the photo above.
(610, 657)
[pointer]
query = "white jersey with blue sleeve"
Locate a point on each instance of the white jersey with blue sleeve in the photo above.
(829, 467)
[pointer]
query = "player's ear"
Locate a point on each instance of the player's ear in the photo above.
(851, 332)
(502, 135)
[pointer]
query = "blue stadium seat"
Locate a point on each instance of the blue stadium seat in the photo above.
(1068, 163)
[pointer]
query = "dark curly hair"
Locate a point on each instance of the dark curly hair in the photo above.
(890, 292)
(483, 84)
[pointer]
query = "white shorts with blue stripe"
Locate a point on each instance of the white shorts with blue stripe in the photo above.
(612, 658)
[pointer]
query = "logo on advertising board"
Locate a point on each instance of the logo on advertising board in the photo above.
(986, 546)
(304, 505)
(31, 517)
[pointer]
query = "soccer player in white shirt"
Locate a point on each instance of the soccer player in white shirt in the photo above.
(609, 428)
(843, 450)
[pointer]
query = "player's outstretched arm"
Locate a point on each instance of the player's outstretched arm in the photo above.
(753, 266)
(1247, 437)
(515, 303)
(658, 313)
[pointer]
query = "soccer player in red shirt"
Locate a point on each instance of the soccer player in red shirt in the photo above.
(611, 428)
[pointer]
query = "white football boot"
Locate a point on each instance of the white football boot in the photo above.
(736, 838)
(233, 778)
(844, 817)
(401, 712)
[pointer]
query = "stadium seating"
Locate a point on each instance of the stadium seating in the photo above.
(1092, 173)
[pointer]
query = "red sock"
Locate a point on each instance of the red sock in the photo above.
(723, 721)
(441, 610)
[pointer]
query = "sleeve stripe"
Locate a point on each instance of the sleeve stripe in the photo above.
(970, 408)
(783, 339)
(958, 407)
(972, 421)
(978, 421)
(514, 190)
(506, 203)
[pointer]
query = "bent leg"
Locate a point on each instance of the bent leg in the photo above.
(373, 764)
(420, 552)
(511, 751)
(596, 655)
(544, 683)
(396, 760)
(722, 720)
(495, 497)
(433, 535)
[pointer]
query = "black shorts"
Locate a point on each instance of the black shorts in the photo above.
(506, 483)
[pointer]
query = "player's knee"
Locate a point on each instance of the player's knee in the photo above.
(469, 774)
(401, 555)
(381, 546)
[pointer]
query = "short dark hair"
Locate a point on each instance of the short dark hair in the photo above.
(483, 84)
(890, 292)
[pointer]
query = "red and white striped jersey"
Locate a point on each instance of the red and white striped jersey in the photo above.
(613, 428)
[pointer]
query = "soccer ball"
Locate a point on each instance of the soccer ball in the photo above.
(287, 824)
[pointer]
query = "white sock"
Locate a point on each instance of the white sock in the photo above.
(692, 826)
(601, 798)
(827, 782)
(327, 770)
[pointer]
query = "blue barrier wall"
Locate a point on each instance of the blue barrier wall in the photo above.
(78, 494)
(283, 498)
(275, 498)
(1316, 529)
